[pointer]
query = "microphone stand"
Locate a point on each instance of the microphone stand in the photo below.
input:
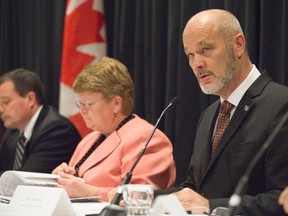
(114, 209)
(235, 199)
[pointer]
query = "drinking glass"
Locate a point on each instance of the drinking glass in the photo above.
(138, 199)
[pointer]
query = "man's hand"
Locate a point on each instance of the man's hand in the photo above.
(283, 199)
(190, 199)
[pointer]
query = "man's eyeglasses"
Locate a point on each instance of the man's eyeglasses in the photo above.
(86, 104)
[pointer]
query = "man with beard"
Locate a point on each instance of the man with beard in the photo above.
(216, 49)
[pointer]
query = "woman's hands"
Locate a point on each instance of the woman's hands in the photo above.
(64, 168)
(74, 186)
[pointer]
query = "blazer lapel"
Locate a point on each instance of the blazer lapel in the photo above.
(103, 151)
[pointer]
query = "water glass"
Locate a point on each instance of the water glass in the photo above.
(138, 199)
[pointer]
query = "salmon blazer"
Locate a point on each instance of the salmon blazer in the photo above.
(109, 163)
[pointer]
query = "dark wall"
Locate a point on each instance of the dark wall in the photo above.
(146, 36)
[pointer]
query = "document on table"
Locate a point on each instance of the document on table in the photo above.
(10, 179)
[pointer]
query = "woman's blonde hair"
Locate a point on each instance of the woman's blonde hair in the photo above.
(110, 78)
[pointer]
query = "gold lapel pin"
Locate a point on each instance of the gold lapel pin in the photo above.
(246, 108)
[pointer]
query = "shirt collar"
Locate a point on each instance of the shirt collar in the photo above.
(29, 128)
(235, 97)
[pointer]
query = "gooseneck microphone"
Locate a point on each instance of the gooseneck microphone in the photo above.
(113, 209)
(235, 199)
(128, 176)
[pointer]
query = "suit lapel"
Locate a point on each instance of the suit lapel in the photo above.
(8, 146)
(42, 115)
(243, 109)
(205, 150)
(241, 112)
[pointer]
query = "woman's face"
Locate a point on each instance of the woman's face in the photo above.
(97, 112)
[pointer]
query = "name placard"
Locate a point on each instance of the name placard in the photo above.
(37, 200)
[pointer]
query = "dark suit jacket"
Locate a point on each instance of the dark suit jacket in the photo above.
(53, 141)
(256, 116)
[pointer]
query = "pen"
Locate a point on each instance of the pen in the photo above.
(81, 179)
(85, 199)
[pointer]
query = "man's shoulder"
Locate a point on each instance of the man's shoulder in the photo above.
(269, 85)
(50, 119)
(50, 115)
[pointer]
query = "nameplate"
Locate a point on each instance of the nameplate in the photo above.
(36, 200)
(167, 204)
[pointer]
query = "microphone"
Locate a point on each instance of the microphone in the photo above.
(113, 209)
(235, 199)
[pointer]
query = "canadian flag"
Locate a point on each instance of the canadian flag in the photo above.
(84, 43)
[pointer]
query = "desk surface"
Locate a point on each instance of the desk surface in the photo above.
(81, 209)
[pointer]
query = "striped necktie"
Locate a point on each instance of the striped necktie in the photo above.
(20, 152)
(222, 122)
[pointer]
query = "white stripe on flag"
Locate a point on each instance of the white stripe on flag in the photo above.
(84, 42)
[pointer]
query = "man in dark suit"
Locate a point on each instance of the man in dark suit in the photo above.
(216, 49)
(50, 138)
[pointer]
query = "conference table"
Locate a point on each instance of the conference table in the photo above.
(90, 208)
(81, 209)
